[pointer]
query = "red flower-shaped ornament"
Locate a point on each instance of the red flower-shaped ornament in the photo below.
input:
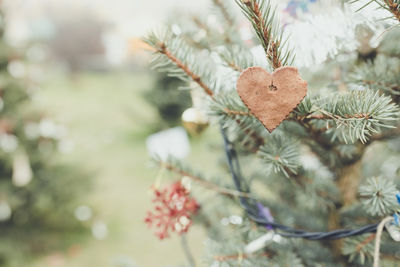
(173, 210)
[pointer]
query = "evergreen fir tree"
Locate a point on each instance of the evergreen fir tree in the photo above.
(313, 192)
(37, 195)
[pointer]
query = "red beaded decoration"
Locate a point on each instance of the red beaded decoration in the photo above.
(173, 210)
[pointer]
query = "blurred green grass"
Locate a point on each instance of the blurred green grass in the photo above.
(108, 121)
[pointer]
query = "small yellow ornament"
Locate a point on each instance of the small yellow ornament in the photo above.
(194, 121)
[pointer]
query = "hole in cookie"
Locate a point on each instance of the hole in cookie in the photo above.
(273, 87)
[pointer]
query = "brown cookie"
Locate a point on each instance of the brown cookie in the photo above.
(271, 97)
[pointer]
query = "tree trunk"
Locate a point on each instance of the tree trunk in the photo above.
(347, 183)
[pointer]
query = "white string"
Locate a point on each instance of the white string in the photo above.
(378, 239)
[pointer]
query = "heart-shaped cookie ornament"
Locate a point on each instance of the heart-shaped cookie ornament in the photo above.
(271, 97)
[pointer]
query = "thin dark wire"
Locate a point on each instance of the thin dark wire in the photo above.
(283, 230)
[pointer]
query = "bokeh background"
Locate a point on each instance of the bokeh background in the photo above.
(75, 175)
(88, 78)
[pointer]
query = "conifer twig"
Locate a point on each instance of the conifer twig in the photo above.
(175, 57)
(233, 66)
(206, 184)
(237, 112)
(394, 8)
(237, 57)
(264, 31)
(262, 17)
(328, 116)
(365, 242)
(324, 116)
(163, 49)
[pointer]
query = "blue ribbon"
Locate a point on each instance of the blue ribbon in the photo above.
(396, 216)
(396, 219)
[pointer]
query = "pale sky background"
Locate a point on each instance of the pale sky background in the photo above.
(132, 17)
(135, 18)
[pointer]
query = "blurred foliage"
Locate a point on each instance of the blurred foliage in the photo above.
(169, 102)
(37, 195)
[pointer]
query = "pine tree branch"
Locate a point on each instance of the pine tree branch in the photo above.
(365, 242)
(394, 8)
(379, 196)
(328, 116)
(163, 50)
(304, 118)
(231, 112)
(383, 74)
(181, 61)
(237, 57)
(356, 115)
(202, 182)
(262, 17)
(264, 31)
(347, 117)
(233, 66)
(280, 154)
